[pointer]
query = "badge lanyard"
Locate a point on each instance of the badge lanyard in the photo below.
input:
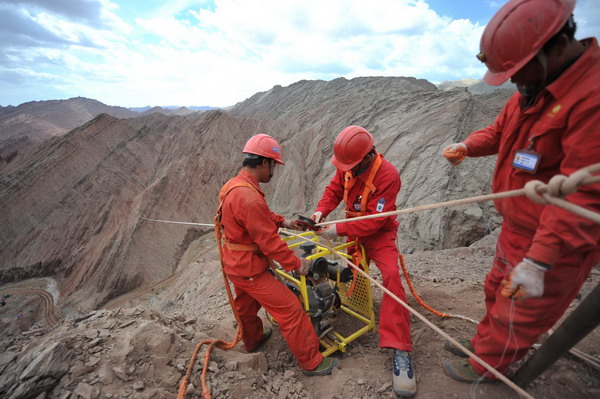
(527, 160)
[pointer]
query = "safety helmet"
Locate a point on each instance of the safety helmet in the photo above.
(265, 146)
(517, 33)
(350, 147)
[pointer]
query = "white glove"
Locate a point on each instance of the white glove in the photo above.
(317, 216)
(525, 281)
(455, 153)
(291, 224)
(328, 232)
(304, 267)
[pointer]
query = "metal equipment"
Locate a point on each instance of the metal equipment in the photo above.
(324, 293)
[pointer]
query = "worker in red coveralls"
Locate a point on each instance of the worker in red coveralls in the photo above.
(249, 232)
(549, 127)
(369, 184)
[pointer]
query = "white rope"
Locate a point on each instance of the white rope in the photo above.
(537, 191)
(492, 370)
(170, 221)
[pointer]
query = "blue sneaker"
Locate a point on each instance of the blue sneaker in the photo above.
(403, 377)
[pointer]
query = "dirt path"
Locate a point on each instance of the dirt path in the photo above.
(48, 300)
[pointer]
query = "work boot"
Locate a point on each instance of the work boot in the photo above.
(449, 346)
(266, 335)
(403, 376)
(325, 368)
(461, 370)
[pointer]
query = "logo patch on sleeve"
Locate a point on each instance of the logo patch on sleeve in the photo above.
(380, 204)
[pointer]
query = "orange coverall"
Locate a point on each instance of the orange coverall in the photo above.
(246, 219)
(563, 126)
(378, 236)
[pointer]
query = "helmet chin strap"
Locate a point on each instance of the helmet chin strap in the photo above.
(532, 91)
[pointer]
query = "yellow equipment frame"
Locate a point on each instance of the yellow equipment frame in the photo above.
(359, 305)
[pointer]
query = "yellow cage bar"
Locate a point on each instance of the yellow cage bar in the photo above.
(359, 305)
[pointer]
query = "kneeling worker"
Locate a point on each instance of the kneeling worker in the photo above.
(250, 238)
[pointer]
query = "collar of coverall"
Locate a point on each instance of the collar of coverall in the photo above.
(244, 174)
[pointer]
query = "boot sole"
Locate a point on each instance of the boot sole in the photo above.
(326, 371)
(405, 394)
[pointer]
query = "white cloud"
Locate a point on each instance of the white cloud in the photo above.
(222, 55)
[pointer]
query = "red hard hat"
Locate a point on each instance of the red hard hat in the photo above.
(350, 147)
(517, 33)
(265, 146)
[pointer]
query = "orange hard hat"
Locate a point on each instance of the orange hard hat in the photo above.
(517, 33)
(350, 147)
(265, 146)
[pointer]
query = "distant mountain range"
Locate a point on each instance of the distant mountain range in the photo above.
(37, 121)
(475, 86)
(171, 107)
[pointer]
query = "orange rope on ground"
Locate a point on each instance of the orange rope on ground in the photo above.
(412, 290)
(212, 343)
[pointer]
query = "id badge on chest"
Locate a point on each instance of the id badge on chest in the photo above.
(357, 204)
(527, 160)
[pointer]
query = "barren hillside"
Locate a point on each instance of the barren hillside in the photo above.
(106, 304)
(72, 207)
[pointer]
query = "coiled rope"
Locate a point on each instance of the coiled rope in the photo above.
(212, 343)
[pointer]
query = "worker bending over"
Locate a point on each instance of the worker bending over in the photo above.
(250, 239)
(369, 184)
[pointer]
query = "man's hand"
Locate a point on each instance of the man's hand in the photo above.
(304, 267)
(328, 232)
(525, 281)
(455, 153)
(317, 217)
(292, 224)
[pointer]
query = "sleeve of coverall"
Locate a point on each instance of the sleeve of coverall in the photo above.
(387, 188)
(333, 194)
(561, 231)
(258, 222)
(486, 141)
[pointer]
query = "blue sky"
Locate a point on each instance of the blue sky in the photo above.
(134, 53)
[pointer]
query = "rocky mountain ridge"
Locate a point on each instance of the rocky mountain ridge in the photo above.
(36, 121)
(73, 206)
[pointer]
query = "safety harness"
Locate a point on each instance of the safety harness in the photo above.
(219, 227)
(349, 181)
(219, 343)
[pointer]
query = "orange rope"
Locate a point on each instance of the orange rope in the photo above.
(212, 343)
(412, 290)
(357, 258)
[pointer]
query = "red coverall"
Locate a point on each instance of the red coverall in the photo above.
(246, 219)
(563, 126)
(378, 236)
